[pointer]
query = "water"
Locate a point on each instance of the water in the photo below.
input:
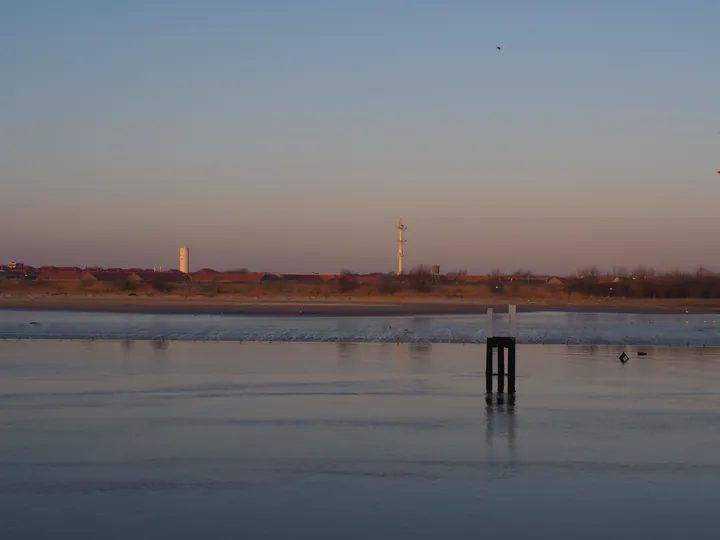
(548, 328)
(176, 440)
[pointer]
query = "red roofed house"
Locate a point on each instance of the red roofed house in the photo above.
(171, 276)
(230, 277)
(61, 275)
(301, 278)
(470, 280)
(205, 271)
(116, 276)
(59, 269)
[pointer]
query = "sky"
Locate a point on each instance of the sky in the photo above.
(280, 135)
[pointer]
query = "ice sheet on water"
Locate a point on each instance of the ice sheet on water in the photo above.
(548, 328)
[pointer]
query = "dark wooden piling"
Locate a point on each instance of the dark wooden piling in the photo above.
(501, 370)
(500, 343)
(488, 369)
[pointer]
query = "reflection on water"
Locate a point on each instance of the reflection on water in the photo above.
(347, 350)
(501, 427)
(185, 440)
(160, 344)
(420, 357)
(502, 408)
(347, 354)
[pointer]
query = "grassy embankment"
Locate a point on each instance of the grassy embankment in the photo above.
(332, 292)
(272, 290)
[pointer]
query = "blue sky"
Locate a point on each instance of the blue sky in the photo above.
(291, 136)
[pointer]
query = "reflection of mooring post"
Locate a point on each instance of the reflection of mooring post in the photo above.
(500, 343)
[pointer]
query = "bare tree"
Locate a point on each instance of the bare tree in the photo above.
(421, 279)
(643, 272)
(454, 274)
(344, 284)
(495, 281)
(589, 272)
(521, 272)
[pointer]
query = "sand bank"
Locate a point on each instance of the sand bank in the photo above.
(337, 307)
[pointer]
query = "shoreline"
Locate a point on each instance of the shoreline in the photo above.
(374, 307)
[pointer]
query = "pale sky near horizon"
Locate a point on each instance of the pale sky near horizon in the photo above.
(291, 136)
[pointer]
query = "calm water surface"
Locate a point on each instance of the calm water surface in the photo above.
(141, 439)
(689, 329)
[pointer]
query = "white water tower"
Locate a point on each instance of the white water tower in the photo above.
(185, 260)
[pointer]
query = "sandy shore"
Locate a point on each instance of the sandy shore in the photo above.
(338, 307)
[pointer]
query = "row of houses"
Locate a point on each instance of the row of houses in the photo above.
(71, 273)
(208, 275)
(520, 280)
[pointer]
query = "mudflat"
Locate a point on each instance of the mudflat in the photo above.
(342, 306)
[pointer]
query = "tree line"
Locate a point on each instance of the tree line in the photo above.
(646, 283)
(642, 282)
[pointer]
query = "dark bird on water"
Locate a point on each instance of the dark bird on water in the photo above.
(498, 48)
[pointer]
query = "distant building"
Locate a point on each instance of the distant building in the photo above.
(231, 277)
(185, 260)
(60, 269)
(301, 278)
(472, 279)
(112, 276)
(171, 276)
(206, 271)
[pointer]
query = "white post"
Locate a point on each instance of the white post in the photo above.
(490, 332)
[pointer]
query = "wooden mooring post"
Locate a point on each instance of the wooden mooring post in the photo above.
(501, 344)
